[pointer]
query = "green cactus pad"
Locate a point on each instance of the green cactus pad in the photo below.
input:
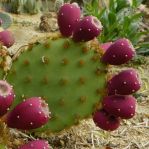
(68, 75)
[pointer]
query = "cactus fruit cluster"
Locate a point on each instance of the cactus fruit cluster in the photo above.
(71, 24)
(67, 74)
(119, 103)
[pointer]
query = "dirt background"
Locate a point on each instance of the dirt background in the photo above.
(132, 134)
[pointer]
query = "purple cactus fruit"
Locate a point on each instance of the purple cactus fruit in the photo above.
(7, 38)
(120, 52)
(105, 121)
(6, 97)
(29, 114)
(120, 105)
(36, 144)
(125, 83)
(68, 17)
(87, 29)
(105, 46)
(1, 21)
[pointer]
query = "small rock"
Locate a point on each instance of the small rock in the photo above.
(48, 23)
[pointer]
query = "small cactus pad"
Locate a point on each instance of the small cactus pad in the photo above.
(6, 20)
(68, 75)
(120, 105)
(124, 83)
(6, 97)
(29, 114)
(68, 17)
(105, 120)
(36, 144)
(6, 38)
(87, 29)
(120, 52)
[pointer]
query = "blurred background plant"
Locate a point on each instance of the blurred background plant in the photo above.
(120, 18)
(6, 20)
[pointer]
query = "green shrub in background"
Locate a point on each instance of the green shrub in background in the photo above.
(119, 18)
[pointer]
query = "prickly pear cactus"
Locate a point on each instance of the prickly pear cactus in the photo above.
(68, 75)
